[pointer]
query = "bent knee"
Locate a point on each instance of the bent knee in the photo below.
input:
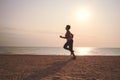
(64, 47)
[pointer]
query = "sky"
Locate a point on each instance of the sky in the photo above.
(94, 23)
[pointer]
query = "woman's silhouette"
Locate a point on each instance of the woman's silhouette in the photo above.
(69, 44)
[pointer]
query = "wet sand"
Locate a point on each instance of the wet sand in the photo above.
(34, 67)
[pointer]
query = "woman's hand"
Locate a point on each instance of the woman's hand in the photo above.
(61, 36)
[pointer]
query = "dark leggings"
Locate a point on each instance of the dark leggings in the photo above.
(69, 46)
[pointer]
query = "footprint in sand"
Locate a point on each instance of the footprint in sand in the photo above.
(56, 78)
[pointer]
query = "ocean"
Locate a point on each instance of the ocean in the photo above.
(79, 51)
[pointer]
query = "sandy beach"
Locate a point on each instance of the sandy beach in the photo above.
(36, 67)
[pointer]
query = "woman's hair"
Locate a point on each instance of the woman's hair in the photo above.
(68, 26)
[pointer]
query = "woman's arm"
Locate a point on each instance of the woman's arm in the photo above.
(63, 37)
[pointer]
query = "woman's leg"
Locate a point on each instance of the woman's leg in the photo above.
(66, 46)
(71, 46)
(71, 49)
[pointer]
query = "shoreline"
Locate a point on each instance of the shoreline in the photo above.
(55, 55)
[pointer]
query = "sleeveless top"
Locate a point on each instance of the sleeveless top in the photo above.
(69, 36)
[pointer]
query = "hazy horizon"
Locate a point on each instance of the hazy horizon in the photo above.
(94, 23)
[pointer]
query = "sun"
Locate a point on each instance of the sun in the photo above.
(83, 15)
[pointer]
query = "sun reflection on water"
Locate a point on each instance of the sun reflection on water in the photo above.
(83, 51)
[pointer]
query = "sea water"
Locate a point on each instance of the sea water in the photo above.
(79, 51)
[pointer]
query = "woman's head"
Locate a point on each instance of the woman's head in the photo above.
(67, 27)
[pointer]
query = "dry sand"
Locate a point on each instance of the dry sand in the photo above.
(24, 67)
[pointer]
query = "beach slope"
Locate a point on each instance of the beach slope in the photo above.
(37, 67)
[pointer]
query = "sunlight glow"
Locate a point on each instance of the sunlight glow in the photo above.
(83, 15)
(83, 51)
